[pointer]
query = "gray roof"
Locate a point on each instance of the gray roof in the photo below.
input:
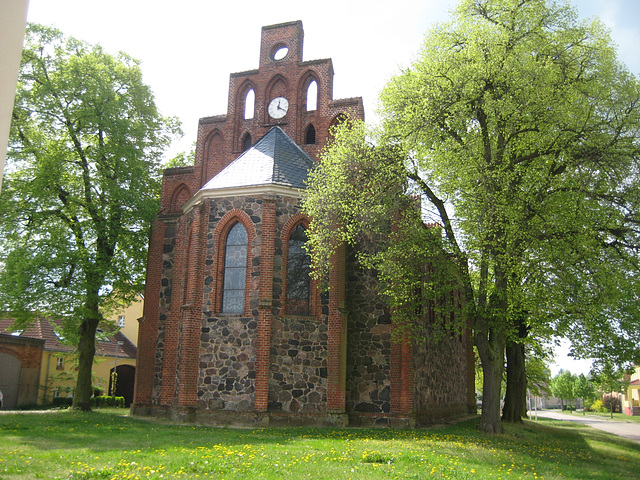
(274, 160)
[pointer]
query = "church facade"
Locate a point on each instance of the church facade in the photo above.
(234, 329)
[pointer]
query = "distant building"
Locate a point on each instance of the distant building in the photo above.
(36, 365)
(630, 401)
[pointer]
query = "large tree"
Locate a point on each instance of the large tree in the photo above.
(519, 129)
(81, 188)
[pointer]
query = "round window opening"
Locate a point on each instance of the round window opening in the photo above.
(280, 53)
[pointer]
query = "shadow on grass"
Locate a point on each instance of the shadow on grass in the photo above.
(573, 447)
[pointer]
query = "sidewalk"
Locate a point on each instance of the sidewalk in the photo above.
(628, 430)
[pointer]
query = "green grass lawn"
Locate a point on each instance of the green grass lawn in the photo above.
(107, 444)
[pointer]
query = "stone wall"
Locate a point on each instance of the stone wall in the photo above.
(228, 343)
(298, 372)
(368, 343)
(440, 373)
(227, 363)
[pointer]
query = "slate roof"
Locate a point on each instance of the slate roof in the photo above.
(44, 329)
(274, 160)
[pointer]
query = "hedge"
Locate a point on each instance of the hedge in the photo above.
(107, 401)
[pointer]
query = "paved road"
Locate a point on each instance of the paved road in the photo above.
(629, 430)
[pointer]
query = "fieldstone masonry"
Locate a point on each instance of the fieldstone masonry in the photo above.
(338, 365)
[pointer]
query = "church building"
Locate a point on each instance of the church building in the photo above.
(235, 331)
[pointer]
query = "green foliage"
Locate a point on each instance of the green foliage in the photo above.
(81, 187)
(182, 159)
(583, 388)
(107, 401)
(608, 377)
(537, 370)
(63, 402)
(360, 196)
(562, 385)
(599, 407)
(522, 118)
(518, 129)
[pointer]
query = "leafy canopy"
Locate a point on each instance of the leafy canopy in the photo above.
(520, 117)
(519, 130)
(82, 179)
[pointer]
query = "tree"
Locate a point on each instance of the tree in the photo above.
(584, 389)
(562, 386)
(521, 117)
(519, 130)
(82, 186)
(610, 380)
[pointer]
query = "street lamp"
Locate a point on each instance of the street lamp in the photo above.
(114, 375)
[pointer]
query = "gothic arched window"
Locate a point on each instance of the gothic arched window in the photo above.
(298, 273)
(249, 104)
(310, 136)
(312, 96)
(235, 270)
(246, 142)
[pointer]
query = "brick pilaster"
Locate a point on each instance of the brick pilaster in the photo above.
(191, 312)
(337, 343)
(265, 303)
(402, 382)
(148, 326)
(172, 327)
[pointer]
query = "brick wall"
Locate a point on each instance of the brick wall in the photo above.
(28, 351)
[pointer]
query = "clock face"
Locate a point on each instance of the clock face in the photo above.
(278, 107)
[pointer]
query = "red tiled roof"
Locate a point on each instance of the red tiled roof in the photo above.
(44, 329)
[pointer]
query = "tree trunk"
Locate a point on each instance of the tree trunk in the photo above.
(86, 353)
(516, 394)
(491, 339)
(490, 421)
(490, 344)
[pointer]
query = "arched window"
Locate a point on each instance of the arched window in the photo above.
(249, 104)
(235, 270)
(246, 142)
(310, 137)
(298, 270)
(312, 96)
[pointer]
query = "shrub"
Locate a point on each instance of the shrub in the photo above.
(599, 407)
(107, 401)
(612, 403)
(61, 402)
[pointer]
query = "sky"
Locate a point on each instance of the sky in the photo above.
(188, 49)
